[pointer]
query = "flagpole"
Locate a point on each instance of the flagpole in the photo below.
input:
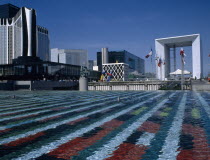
(152, 72)
(161, 72)
(156, 63)
(182, 76)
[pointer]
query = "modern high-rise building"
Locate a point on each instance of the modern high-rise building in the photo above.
(43, 43)
(135, 63)
(70, 56)
(90, 64)
(25, 53)
(95, 63)
(20, 36)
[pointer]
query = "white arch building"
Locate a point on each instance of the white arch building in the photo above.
(163, 46)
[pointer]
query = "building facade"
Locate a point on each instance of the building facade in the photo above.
(119, 71)
(135, 63)
(43, 43)
(19, 34)
(70, 56)
(162, 47)
(32, 68)
(90, 64)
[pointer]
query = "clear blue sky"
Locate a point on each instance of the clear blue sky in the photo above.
(130, 25)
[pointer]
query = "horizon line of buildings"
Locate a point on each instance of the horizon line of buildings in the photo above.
(20, 36)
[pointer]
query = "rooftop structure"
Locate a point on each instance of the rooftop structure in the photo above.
(8, 10)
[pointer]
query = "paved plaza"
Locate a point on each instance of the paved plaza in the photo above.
(129, 125)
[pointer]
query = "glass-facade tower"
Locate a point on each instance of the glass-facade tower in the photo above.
(20, 36)
(135, 63)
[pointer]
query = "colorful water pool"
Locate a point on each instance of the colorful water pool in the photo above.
(128, 125)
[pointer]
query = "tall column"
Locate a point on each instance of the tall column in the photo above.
(197, 58)
(174, 52)
(182, 77)
(104, 55)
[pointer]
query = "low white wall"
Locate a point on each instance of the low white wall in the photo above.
(124, 87)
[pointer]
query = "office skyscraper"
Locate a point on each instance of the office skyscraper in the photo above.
(70, 56)
(43, 45)
(19, 34)
(135, 63)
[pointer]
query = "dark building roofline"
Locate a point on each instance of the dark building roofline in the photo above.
(38, 26)
(117, 51)
(42, 29)
(10, 5)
